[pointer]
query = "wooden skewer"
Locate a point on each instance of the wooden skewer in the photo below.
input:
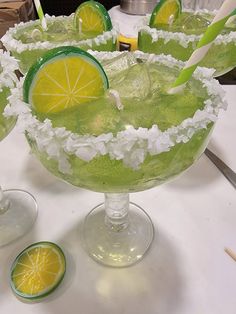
(231, 253)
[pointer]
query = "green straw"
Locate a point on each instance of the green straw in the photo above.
(204, 45)
(232, 18)
(40, 14)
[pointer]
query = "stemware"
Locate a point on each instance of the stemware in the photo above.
(18, 208)
(180, 38)
(27, 42)
(202, 4)
(138, 157)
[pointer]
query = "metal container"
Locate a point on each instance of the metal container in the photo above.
(137, 7)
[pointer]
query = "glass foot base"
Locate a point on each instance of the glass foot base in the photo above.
(19, 216)
(121, 245)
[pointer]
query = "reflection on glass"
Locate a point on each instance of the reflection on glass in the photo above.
(18, 208)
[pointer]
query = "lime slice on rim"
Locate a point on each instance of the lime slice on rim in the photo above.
(64, 77)
(38, 270)
(165, 12)
(92, 17)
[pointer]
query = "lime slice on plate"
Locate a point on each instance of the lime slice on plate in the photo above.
(92, 17)
(165, 12)
(38, 270)
(64, 77)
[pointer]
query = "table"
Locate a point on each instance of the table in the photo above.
(185, 272)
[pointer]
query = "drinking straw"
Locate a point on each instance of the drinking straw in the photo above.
(204, 45)
(40, 13)
(232, 18)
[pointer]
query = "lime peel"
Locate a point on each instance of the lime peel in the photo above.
(91, 16)
(165, 12)
(64, 77)
(38, 270)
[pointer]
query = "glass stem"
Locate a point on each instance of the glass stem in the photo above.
(116, 208)
(4, 203)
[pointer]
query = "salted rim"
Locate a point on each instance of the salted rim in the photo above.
(11, 43)
(183, 39)
(131, 145)
(8, 66)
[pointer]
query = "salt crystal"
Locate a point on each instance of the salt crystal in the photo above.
(131, 145)
(85, 153)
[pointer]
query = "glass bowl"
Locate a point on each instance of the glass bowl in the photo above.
(173, 41)
(8, 79)
(118, 233)
(18, 208)
(27, 41)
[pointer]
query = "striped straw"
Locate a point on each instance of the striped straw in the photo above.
(232, 18)
(40, 13)
(204, 45)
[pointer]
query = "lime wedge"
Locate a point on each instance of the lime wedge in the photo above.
(63, 78)
(165, 12)
(92, 17)
(38, 270)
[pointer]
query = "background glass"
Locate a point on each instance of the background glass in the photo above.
(202, 4)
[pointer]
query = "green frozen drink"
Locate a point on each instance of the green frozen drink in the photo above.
(172, 31)
(145, 140)
(8, 79)
(89, 27)
(105, 121)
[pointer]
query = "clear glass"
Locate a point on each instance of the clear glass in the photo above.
(27, 42)
(180, 38)
(117, 233)
(18, 212)
(18, 208)
(202, 4)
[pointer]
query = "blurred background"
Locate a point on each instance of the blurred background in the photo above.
(60, 7)
(15, 11)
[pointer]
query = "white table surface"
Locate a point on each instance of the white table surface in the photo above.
(185, 272)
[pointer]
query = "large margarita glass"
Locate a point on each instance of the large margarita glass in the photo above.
(142, 139)
(18, 208)
(7, 80)
(29, 41)
(179, 39)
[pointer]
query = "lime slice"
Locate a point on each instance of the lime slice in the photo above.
(63, 78)
(165, 12)
(92, 17)
(38, 270)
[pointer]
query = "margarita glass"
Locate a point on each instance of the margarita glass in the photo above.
(133, 138)
(18, 208)
(7, 80)
(28, 41)
(202, 4)
(180, 39)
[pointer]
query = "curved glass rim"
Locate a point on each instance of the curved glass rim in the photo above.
(8, 66)
(71, 143)
(183, 38)
(13, 44)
